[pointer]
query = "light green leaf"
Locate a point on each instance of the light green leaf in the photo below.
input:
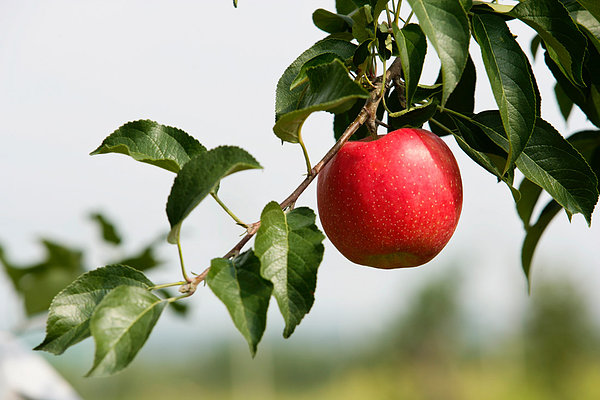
(512, 83)
(329, 89)
(152, 143)
(446, 25)
(121, 325)
(363, 27)
(72, 308)
(199, 177)
(412, 45)
(287, 101)
(290, 250)
(245, 293)
(565, 43)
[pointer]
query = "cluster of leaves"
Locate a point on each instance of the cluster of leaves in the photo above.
(115, 304)
(39, 282)
(514, 136)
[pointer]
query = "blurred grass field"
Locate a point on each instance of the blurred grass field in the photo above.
(426, 353)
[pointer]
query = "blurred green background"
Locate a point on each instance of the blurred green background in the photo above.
(428, 352)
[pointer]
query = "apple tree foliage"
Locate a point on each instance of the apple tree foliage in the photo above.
(366, 71)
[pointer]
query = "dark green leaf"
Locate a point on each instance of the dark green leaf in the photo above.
(414, 117)
(287, 101)
(290, 250)
(587, 98)
(330, 89)
(564, 42)
(530, 193)
(341, 121)
(535, 45)
(470, 140)
(512, 83)
(551, 162)
(331, 22)
(108, 229)
(345, 6)
(593, 6)
(412, 45)
(461, 100)
(245, 293)
(565, 104)
(446, 25)
(534, 233)
(152, 143)
(586, 21)
(325, 58)
(199, 177)
(121, 325)
(361, 53)
(72, 308)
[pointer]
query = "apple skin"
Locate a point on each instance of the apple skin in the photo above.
(391, 202)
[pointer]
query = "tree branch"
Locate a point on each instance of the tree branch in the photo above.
(366, 115)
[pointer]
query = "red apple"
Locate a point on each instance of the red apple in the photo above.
(391, 202)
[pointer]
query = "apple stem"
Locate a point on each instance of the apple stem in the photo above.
(227, 210)
(305, 153)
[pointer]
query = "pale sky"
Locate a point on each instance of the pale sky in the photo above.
(71, 72)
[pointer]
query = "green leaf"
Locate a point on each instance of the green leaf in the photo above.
(108, 229)
(72, 308)
(534, 233)
(302, 77)
(245, 293)
(345, 6)
(142, 261)
(290, 250)
(512, 83)
(414, 117)
(121, 325)
(470, 140)
(363, 28)
(586, 21)
(341, 121)
(287, 101)
(152, 143)
(412, 45)
(461, 100)
(199, 177)
(331, 22)
(40, 282)
(530, 193)
(587, 143)
(564, 42)
(565, 104)
(587, 98)
(330, 89)
(235, 2)
(535, 45)
(447, 27)
(551, 162)
(592, 6)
